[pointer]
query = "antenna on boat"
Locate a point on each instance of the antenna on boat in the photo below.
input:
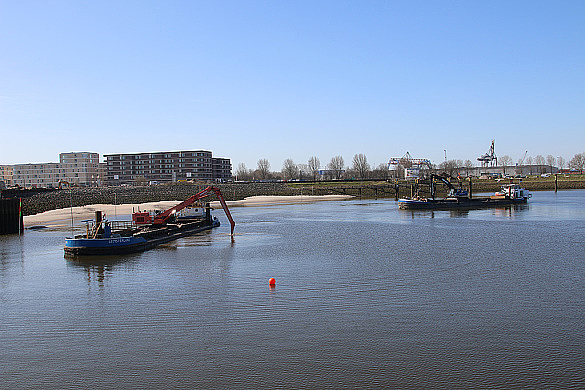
(71, 209)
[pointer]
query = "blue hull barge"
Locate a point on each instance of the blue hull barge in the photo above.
(511, 194)
(145, 231)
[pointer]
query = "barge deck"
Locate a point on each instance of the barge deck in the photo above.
(511, 194)
(145, 231)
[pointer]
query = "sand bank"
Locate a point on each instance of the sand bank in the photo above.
(274, 200)
(62, 217)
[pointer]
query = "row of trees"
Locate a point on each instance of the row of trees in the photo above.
(312, 170)
(578, 162)
(361, 169)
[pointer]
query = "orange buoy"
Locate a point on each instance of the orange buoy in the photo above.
(272, 282)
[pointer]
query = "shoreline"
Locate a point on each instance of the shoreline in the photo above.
(62, 217)
(38, 201)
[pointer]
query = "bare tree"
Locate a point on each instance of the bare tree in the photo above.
(505, 161)
(303, 171)
(449, 167)
(360, 165)
(561, 162)
(336, 166)
(468, 164)
(263, 169)
(529, 162)
(550, 161)
(314, 166)
(382, 172)
(290, 171)
(578, 162)
(243, 173)
(540, 163)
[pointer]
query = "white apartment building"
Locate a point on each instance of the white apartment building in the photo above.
(76, 168)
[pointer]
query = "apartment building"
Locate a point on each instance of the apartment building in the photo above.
(77, 168)
(166, 167)
(221, 169)
(6, 175)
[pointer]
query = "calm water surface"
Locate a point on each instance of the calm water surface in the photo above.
(367, 296)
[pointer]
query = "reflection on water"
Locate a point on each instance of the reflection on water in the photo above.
(366, 296)
(98, 268)
(509, 211)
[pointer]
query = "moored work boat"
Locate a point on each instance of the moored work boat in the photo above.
(510, 194)
(145, 231)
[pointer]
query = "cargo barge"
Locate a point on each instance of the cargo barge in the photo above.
(146, 230)
(510, 194)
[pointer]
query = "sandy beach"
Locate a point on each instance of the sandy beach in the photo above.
(62, 217)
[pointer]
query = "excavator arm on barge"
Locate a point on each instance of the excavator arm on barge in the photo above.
(162, 218)
(454, 191)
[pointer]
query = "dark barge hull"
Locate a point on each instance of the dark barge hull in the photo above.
(116, 246)
(460, 203)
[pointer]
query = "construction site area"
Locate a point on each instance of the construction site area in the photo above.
(410, 168)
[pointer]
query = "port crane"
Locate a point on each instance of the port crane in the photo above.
(411, 166)
(523, 157)
(162, 218)
(490, 158)
(407, 161)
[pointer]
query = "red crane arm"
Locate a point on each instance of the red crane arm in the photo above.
(162, 218)
(225, 208)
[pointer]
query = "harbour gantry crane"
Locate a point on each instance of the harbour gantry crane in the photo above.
(409, 164)
(490, 158)
(407, 161)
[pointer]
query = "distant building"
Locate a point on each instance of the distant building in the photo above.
(326, 174)
(76, 168)
(161, 167)
(509, 170)
(222, 169)
(103, 172)
(6, 174)
(412, 173)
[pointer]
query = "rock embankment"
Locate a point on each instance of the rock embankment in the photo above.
(51, 200)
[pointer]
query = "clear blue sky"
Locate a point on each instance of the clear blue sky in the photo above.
(292, 79)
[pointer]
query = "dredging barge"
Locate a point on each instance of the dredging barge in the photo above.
(146, 231)
(510, 194)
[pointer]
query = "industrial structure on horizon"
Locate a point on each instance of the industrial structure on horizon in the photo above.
(489, 159)
(411, 166)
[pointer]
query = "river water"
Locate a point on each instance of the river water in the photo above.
(366, 296)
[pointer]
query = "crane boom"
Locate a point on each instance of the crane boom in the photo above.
(454, 192)
(164, 216)
(523, 157)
